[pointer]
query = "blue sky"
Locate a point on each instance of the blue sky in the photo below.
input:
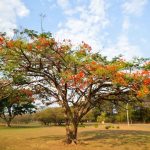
(111, 26)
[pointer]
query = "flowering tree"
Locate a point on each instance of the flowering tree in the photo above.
(15, 102)
(70, 76)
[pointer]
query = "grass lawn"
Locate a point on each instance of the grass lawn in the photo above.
(134, 137)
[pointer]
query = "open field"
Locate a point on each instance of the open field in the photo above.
(134, 137)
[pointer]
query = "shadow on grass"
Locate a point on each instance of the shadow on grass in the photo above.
(117, 137)
(20, 127)
(47, 138)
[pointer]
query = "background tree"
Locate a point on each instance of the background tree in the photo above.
(44, 116)
(73, 77)
(102, 118)
(24, 119)
(15, 102)
(89, 117)
(51, 115)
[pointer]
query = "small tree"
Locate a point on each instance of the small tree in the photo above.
(23, 119)
(50, 115)
(15, 102)
(89, 117)
(44, 116)
(102, 118)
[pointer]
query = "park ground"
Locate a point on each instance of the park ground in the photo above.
(133, 137)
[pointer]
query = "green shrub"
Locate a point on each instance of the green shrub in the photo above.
(96, 125)
(107, 127)
(117, 127)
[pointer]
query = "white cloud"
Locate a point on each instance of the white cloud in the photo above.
(63, 3)
(134, 7)
(9, 11)
(84, 23)
(126, 24)
(124, 47)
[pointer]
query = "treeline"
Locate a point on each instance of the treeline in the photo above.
(55, 116)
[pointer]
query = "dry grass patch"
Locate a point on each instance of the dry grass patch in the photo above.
(134, 137)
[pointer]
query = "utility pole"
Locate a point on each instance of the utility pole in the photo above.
(127, 105)
(127, 109)
(42, 16)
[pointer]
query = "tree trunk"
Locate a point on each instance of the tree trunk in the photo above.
(72, 122)
(8, 123)
(71, 133)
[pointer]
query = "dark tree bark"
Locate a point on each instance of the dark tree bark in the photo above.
(71, 126)
(71, 133)
(8, 123)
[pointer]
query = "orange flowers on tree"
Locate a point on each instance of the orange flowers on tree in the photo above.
(72, 76)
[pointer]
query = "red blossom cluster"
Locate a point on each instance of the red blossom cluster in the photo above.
(43, 42)
(1, 40)
(111, 68)
(147, 81)
(10, 44)
(144, 90)
(93, 66)
(86, 46)
(22, 94)
(141, 82)
(78, 76)
(119, 78)
(29, 47)
(26, 92)
(78, 80)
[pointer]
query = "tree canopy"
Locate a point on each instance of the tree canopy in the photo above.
(14, 102)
